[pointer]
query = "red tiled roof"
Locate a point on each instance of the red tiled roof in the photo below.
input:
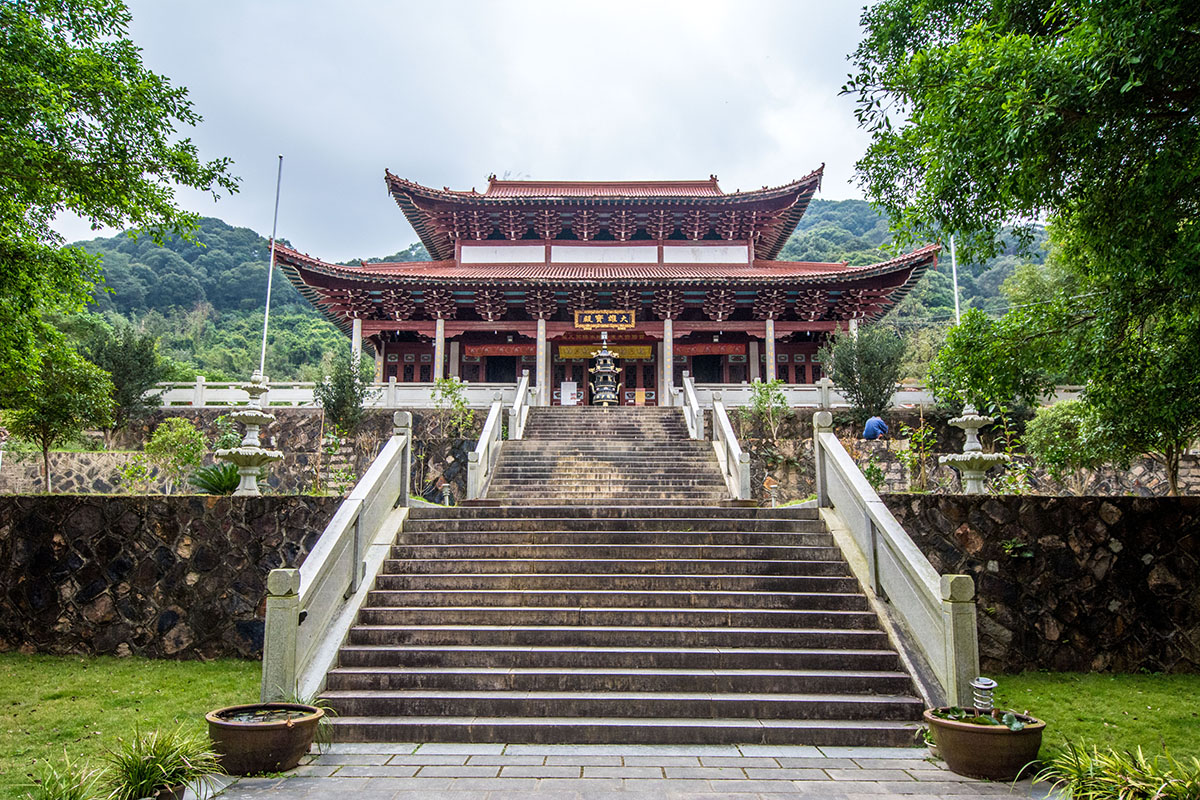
(499, 188)
(449, 271)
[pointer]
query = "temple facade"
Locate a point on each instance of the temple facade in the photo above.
(511, 265)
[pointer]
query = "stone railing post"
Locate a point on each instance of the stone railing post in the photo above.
(822, 423)
(402, 426)
(279, 635)
(198, 392)
(391, 392)
(825, 389)
(962, 640)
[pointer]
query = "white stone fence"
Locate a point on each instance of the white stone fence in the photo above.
(936, 612)
(392, 394)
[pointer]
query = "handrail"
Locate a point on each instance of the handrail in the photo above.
(302, 604)
(481, 460)
(693, 414)
(734, 464)
(937, 610)
(519, 413)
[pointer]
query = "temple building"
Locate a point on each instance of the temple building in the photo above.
(512, 264)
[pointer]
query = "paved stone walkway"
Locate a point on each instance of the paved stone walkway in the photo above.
(625, 772)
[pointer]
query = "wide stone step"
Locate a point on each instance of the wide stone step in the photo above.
(626, 730)
(606, 598)
(614, 538)
(695, 658)
(625, 565)
(614, 512)
(698, 617)
(618, 636)
(560, 550)
(591, 679)
(534, 496)
(431, 702)
(610, 582)
(666, 527)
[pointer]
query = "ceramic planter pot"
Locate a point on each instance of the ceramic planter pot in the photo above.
(992, 752)
(255, 738)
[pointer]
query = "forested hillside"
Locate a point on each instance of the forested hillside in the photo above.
(205, 302)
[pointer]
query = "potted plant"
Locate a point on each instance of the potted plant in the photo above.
(263, 737)
(992, 744)
(160, 765)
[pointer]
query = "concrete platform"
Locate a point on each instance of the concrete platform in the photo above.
(368, 771)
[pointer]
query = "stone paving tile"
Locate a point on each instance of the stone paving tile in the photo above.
(868, 775)
(681, 786)
(503, 794)
(459, 748)
(419, 759)
(580, 785)
(938, 775)
(377, 771)
(459, 771)
(314, 771)
(371, 747)
(817, 763)
(762, 787)
(787, 750)
(351, 758)
(786, 774)
(622, 772)
(875, 752)
(542, 772)
(895, 763)
(505, 761)
(662, 761)
(584, 761)
(742, 761)
(420, 794)
(496, 784)
(703, 773)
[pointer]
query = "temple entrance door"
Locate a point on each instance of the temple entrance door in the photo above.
(501, 369)
(707, 369)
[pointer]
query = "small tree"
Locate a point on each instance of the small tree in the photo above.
(866, 368)
(343, 392)
(768, 407)
(177, 448)
(66, 395)
(133, 362)
(451, 418)
(1065, 440)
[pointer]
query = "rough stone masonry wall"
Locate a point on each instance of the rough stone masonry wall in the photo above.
(1071, 583)
(174, 577)
(298, 432)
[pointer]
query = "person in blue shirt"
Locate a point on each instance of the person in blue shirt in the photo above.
(875, 428)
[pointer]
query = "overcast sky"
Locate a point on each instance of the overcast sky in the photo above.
(445, 92)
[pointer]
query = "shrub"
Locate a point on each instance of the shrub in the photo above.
(151, 761)
(220, 478)
(768, 407)
(865, 368)
(1113, 775)
(177, 448)
(343, 393)
(1062, 438)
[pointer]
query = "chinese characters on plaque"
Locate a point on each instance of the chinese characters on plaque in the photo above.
(604, 320)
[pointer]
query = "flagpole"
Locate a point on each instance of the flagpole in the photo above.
(953, 272)
(262, 360)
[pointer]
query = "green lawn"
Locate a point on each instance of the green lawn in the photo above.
(1117, 711)
(82, 705)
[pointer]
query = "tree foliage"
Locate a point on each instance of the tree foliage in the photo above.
(1065, 440)
(177, 447)
(1080, 111)
(865, 367)
(132, 361)
(343, 391)
(84, 128)
(66, 395)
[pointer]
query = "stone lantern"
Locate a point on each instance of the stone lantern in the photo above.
(972, 463)
(250, 456)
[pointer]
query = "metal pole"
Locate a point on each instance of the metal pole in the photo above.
(954, 273)
(262, 359)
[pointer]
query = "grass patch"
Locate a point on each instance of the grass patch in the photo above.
(1122, 712)
(79, 705)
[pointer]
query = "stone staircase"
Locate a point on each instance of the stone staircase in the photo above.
(605, 596)
(590, 454)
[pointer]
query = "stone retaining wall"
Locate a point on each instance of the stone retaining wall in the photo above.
(1071, 583)
(164, 577)
(297, 431)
